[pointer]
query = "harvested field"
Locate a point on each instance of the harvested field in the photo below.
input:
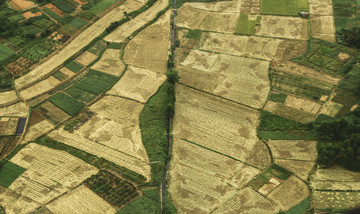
(331, 108)
(110, 63)
(8, 125)
(221, 6)
(49, 173)
(86, 58)
(138, 84)
(39, 88)
(19, 66)
(80, 200)
(38, 130)
(291, 192)
(260, 156)
(15, 203)
(83, 39)
(149, 49)
(8, 97)
(250, 6)
(283, 27)
(304, 71)
(298, 167)
(247, 201)
(19, 109)
(125, 30)
(55, 9)
(302, 104)
(289, 112)
(240, 79)
(52, 112)
(29, 14)
(21, 4)
(189, 17)
(335, 200)
(215, 123)
(323, 27)
(252, 46)
(293, 149)
(321, 9)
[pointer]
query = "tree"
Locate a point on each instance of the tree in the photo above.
(172, 76)
(350, 37)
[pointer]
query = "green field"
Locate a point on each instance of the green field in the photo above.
(5, 52)
(5, 80)
(73, 66)
(287, 135)
(278, 97)
(78, 23)
(16, 18)
(284, 7)
(96, 82)
(68, 29)
(67, 103)
(246, 26)
(52, 14)
(101, 6)
(302, 207)
(59, 75)
(351, 81)
(80, 94)
(272, 122)
(194, 34)
(148, 203)
(43, 23)
(98, 48)
(347, 99)
(41, 49)
(64, 6)
(9, 172)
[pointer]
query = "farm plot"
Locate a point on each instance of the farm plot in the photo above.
(215, 123)
(49, 172)
(283, 27)
(321, 9)
(86, 58)
(39, 88)
(300, 168)
(21, 4)
(67, 103)
(110, 63)
(138, 84)
(51, 112)
(55, 10)
(331, 108)
(293, 149)
(149, 48)
(19, 109)
(240, 79)
(225, 6)
(38, 130)
(15, 203)
(252, 46)
(7, 144)
(125, 30)
(77, 44)
(8, 125)
(302, 104)
(250, 6)
(337, 201)
(80, 200)
(5, 52)
(247, 201)
(19, 66)
(9, 172)
(284, 7)
(290, 112)
(193, 18)
(323, 27)
(8, 97)
(202, 175)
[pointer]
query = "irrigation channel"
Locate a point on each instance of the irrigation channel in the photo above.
(169, 139)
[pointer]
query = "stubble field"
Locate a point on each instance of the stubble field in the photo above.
(110, 63)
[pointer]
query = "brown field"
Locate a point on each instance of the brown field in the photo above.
(323, 27)
(149, 49)
(19, 109)
(55, 9)
(240, 79)
(39, 88)
(8, 97)
(110, 63)
(83, 39)
(113, 133)
(52, 112)
(21, 4)
(19, 66)
(289, 112)
(293, 149)
(14, 203)
(49, 173)
(215, 123)
(291, 192)
(29, 14)
(35, 118)
(252, 46)
(302, 104)
(189, 17)
(250, 6)
(222, 6)
(200, 177)
(337, 200)
(283, 27)
(304, 71)
(8, 125)
(299, 167)
(86, 58)
(138, 84)
(80, 200)
(247, 201)
(331, 108)
(125, 30)
(260, 156)
(321, 9)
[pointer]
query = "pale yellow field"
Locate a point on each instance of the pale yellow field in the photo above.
(79, 201)
(247, 201)
(283, 27)
(49, 172)
(19, 109)
(37, 130)
(110, 63)
(321, 9)
(299, 167)
(252, 46)
(293, 149)
(331, 108)
(323, 27)
(302, 104)
(14, 203)
(289, 112)
(291, 192)
(83, 39)
(260, 156)
(125, 30)
(339, 200)
(138, 84)
(8, 97)
(149, 49)
(222, 6)
(240, 79)
(199, 177)
(86, 58)
(189, 17)
(215, 123)
(39, 88)
(322, 2)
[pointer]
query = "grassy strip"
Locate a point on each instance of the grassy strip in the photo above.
(273, 122)
(92, 159)
(246, 26)
(287, 135)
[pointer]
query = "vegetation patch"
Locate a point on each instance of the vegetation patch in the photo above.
(5, 52)
(246, 26)
(287, 135)
(64, 6)
(52, 14)
(148, 203)
(73, 66)
(96, 82)
(78, 120)
(302, 207)
(345, 98)
(78, 23)
(98, 48)
(278, 97)
(80, 94)
(41, 49)
(113, 189)
(9, 172)
(194, 34)
(284, 7)
(274, 171)
(272, 122)
(351, 81)
(67, 103)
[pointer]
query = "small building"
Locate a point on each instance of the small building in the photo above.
(304, 14)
